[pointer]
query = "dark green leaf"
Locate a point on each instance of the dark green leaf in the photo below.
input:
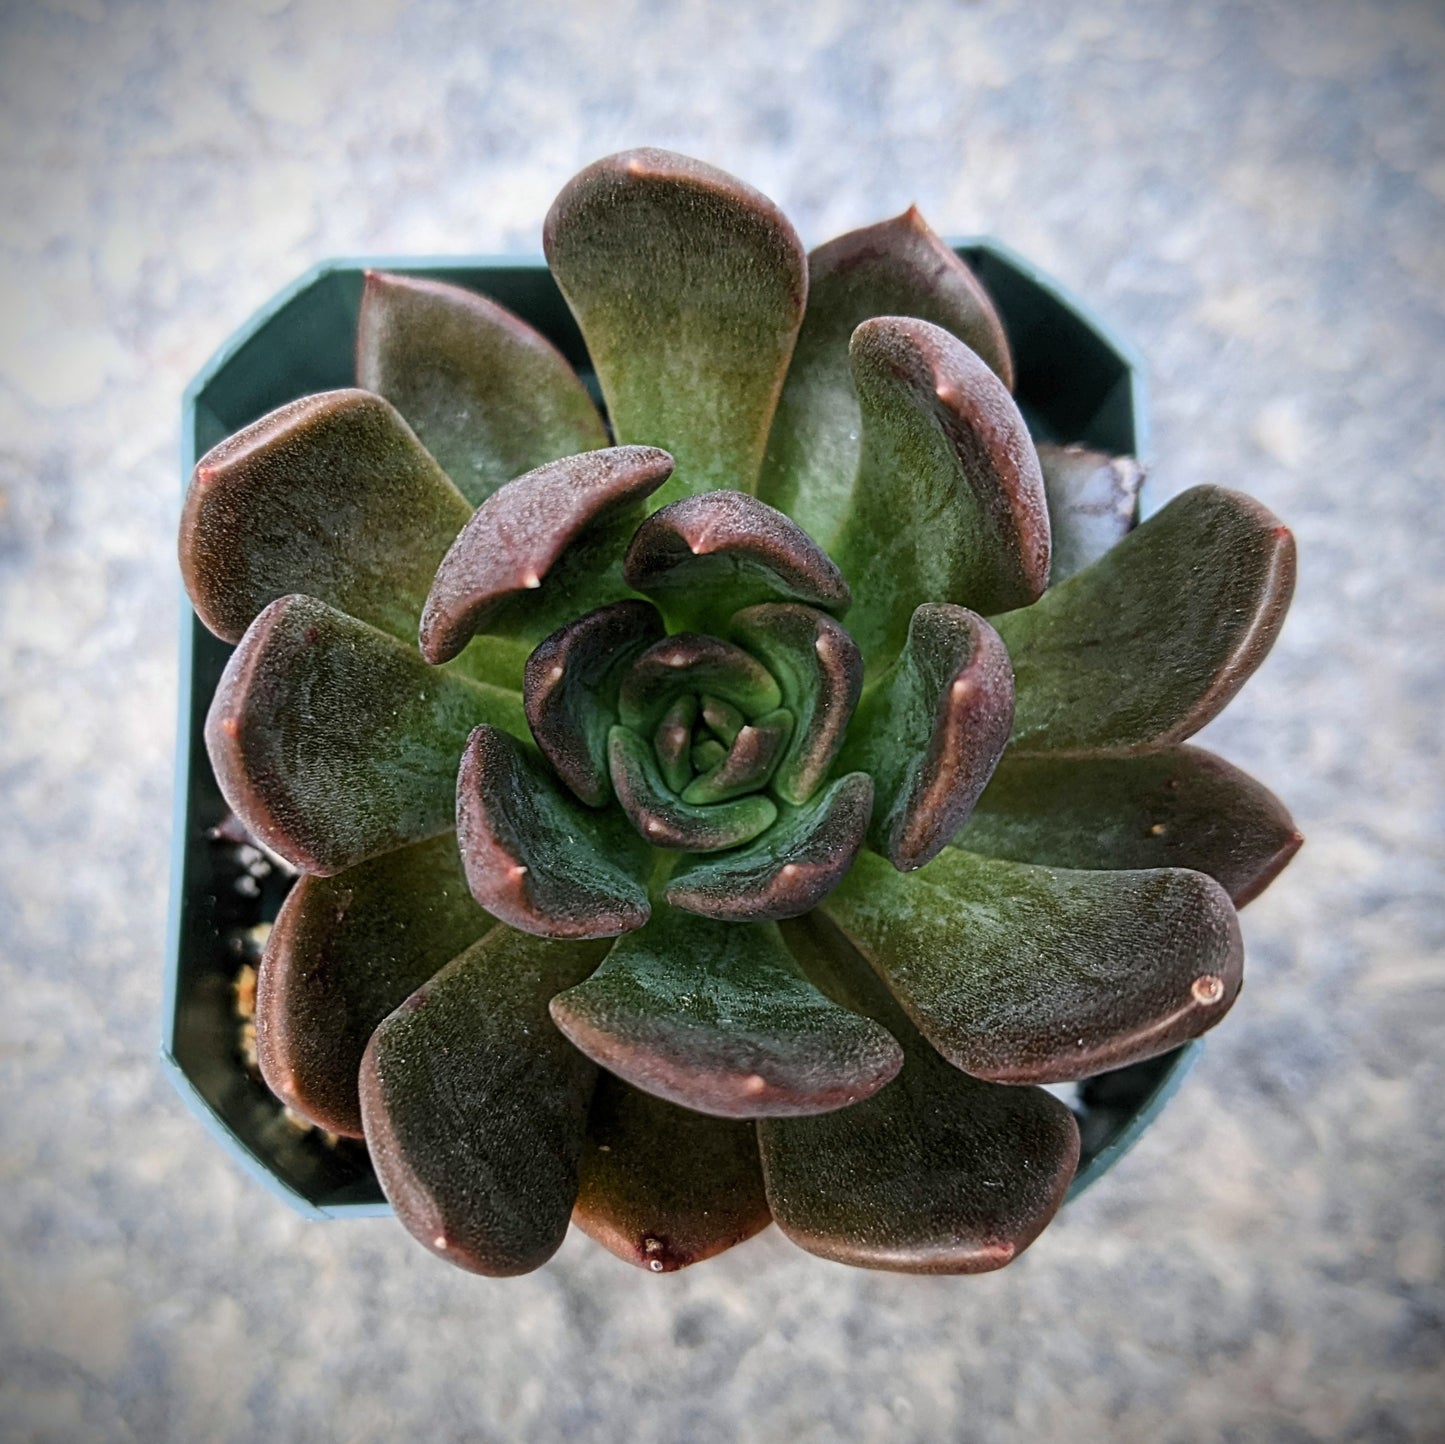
(331, 495)
(663, 818)
(820, 674)
(344, 952)
(1093, 504)
(896, 268)
(664, 1187)
(570, 690)
(689, 289)
(716, 1017)
(476, 1107)
(334, 742)
(1178, 807)
(537, 859)
(930, 730)
(672, 741)
(791, 868)
(936, 1173)
(542, 550)
(695, 665)
(949, 505)
(1150, 642)
(1026, 974)
(489, 397)
(749, 762)
(705, 556)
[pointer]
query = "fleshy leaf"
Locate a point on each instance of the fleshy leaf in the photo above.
(663, 818)
(716, 1017)
(537, 859)
(705, 556)
(1178, 807)
(699, 665)
(334, 742)
(791, 868)
(949, 505)
(570, 689)
(820, 673)
(331, 495)
(1093, 504)
(930, 730)
(936, 1173)
(1150, 642)
(1024, 974)
(672, 741)
(542, 550)
(475, 1106)
(724, 720)
(749, 761)
(489, 396)
(664, 1187)
(344, 952)
(895, 268)
(689, 288)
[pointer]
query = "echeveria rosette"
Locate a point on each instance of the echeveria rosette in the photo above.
(712, 815)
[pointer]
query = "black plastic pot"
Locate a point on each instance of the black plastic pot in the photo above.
(1076, 382)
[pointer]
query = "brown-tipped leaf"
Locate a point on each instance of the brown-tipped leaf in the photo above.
(1026, 974)
(937, 1173)
(570, 690)
(475, 1107)
(1093, 504)
(689, 288)
(489, 396)
(344, 952)
(898, 267)
(537, 859)
(542, 550)
(696, 665)
(331, 495)
(950, 502)
(930, 730)
(705, 556)
(787, 871)
(748, 763)
(1150, 642)
(1177, 807)
(334, 742)
(716, 1017)
(664, 1187)
(820, 673)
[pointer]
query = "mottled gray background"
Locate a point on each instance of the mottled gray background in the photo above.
(1254, 192)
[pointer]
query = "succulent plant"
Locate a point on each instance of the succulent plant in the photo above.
(712, 810)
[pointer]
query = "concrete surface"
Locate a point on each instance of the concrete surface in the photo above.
(1255, 192)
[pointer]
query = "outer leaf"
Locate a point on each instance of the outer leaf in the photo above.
(1027, 974)
(790, 868)
(707, 555)
(489, 397)
(937, 1173)
(570, 690)
(896, 268)
(476, 1107)
(542, 550)
(689, 289)
(334, 742)
(344, 952)
(820, 673)
(696, 665)
(536, 859)
(717, 1018)
(1151, 642)
(1178, 807)
(663, 1187)
(930, 730)
(1093, 504)
(663, 818)
(949, 505)
(331, 495)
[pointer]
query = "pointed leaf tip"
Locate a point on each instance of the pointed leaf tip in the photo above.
(510, 568)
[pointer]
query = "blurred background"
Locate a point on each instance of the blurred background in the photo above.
(1254, 193)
